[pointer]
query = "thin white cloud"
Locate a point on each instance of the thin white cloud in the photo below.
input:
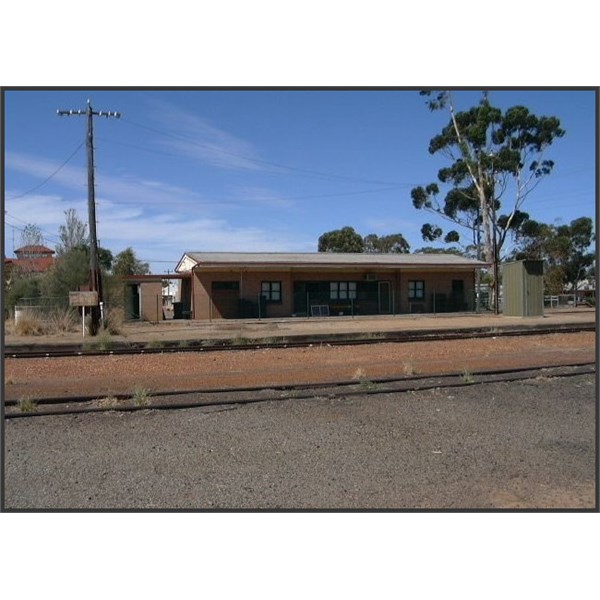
(125, 188)
(157, 237)
(261, 196)
(198, 139)
(385, 226)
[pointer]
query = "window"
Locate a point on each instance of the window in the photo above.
(271, 291)
(342, 290)
(458, 287)
(416, 290)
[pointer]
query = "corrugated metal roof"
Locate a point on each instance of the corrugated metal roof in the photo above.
(327, 259)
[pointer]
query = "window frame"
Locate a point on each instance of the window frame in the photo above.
(416, 292)
(268, 293)
(343, 290)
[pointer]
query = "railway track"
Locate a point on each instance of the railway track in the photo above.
(214, 345)
(230, 398)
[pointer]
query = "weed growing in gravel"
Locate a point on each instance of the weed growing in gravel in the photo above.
(184, 343)
(109, 401)
(140, 397)
(104, 342)
(467, 376)
(409, 369)
(359, 374)
(27, 405)
(366, 384)
(156, 344)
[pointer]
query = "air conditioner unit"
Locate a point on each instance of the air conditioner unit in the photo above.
(371, 277)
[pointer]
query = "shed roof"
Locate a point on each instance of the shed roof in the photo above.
(254, 260)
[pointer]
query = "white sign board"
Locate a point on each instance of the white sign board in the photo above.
(83, 298)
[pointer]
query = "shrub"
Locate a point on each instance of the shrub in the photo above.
(113, 321)
(29, 324)
(27, 405)
(467, 376)
(62, 321)
(105, 342)
(140, 397)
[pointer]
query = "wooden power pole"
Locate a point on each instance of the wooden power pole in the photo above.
(95, 275)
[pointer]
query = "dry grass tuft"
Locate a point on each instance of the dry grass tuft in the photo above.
(29, 324)
(62, 321)
(113, 321)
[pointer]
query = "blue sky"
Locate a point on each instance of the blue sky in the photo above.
(256, 170)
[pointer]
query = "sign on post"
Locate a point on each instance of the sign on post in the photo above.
(83, 299)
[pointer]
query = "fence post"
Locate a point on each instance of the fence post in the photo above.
(259, 307)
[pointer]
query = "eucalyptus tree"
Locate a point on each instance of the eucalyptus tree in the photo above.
(32, 235)
(394, 243)
(345, 239)
(564, 248)
(496, 160)
(72, 234)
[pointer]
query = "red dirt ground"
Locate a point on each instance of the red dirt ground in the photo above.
(100, 376)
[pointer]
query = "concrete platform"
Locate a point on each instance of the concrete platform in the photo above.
(273, 330)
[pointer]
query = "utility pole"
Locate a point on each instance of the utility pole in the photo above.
(95, 276)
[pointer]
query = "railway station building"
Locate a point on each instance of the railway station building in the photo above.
(234, 285)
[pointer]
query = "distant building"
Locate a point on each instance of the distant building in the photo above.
(31, 260)
(231, 285)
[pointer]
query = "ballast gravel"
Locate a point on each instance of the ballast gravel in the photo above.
(523, 445)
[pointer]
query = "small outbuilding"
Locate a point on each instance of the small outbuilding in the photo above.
(523, 288)
(145, 298)
(231, 285)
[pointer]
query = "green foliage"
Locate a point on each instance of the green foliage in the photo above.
(564, 248)
(467, 376)
(21, 286)
(432, 250)
(341, 240)
(140, 397)
(68, 273)
(348, 240)
(72, 270)
(72, 235)
(27, 405)
(126, 263)
(386, 244)
(430, 233)
(487, 148)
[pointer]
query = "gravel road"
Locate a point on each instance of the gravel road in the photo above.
(498, 445)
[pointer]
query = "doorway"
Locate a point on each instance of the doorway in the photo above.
(385, 297)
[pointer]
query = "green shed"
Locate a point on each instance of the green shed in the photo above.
(523, 288)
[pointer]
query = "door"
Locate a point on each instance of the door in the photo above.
(225, 299)
(385, 300)
(132, 301)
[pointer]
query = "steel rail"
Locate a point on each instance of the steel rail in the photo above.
(214, 345)
(335, 389)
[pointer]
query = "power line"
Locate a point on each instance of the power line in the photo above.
(251, 159)
(49, 236)
(37, 187)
